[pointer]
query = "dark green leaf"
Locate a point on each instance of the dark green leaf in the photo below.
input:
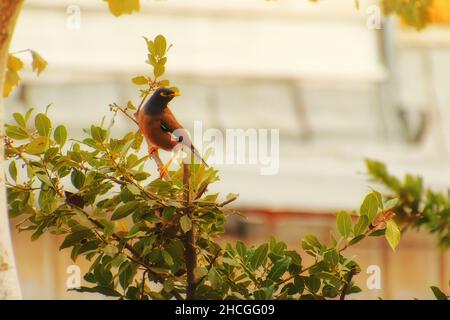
(241, 248)
(78, 178)
(279, 268)
(75, 238)
(438, 293)
(260, 256)
(125, 210)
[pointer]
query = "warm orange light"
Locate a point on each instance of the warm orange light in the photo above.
(440, 12)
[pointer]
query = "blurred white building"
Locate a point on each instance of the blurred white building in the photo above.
(337, 90)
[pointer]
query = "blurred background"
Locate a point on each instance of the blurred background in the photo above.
(338, 91)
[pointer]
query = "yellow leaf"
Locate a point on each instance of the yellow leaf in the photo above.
(12, 79)
(158, 70)
(39, 64)
(122, 226)
(392, 234)
(7, 89)
(120, 7)
(38, 146)
(14, 63)
(140, 80)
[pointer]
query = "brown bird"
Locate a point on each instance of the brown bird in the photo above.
(160, 127)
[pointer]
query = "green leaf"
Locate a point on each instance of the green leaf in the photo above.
(295, 257)
(167, 258)
(78, 178)
(88, 247)
(107, 291)
(60, 135)
(344, 223)
(125, 210)
(75, 238)
(361, 225)
(50, 154)
(43, 124)
(168, 285)
(438, 293)
(241, 248)
(16, 133)
(126, 274)
(259, 256)
(329, 291)
(331, 257)
(215, 278)
(168, 213)
(279, 268)
(110, 250)
(370, 205)
(260, 295)
(299, 283)
(98, 134)
(186, 223)
(38, 146)
(312, 240)
(356, 239)
(313, 283)
(20, 119)
(13, 170)
(392, 234)
(29, 113)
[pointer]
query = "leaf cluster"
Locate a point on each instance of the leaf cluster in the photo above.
(417, 206)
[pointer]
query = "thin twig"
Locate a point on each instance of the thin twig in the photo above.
(223, 204)
(350, 275)
(143, 284)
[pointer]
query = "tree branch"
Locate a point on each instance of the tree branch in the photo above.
(190, 254)
(350, 275)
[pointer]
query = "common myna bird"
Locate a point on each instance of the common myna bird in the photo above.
(160, 127)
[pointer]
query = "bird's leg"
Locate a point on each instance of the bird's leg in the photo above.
(153, 153)
(163, 170)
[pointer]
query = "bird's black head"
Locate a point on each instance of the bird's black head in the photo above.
(159, 100)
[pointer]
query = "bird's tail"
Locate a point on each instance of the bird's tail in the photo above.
(198, 156)
(183, 137)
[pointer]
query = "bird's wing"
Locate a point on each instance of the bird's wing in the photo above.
(169, 121)
(153, 133)
(171, 124)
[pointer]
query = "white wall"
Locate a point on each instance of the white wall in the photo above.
(243, 64)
